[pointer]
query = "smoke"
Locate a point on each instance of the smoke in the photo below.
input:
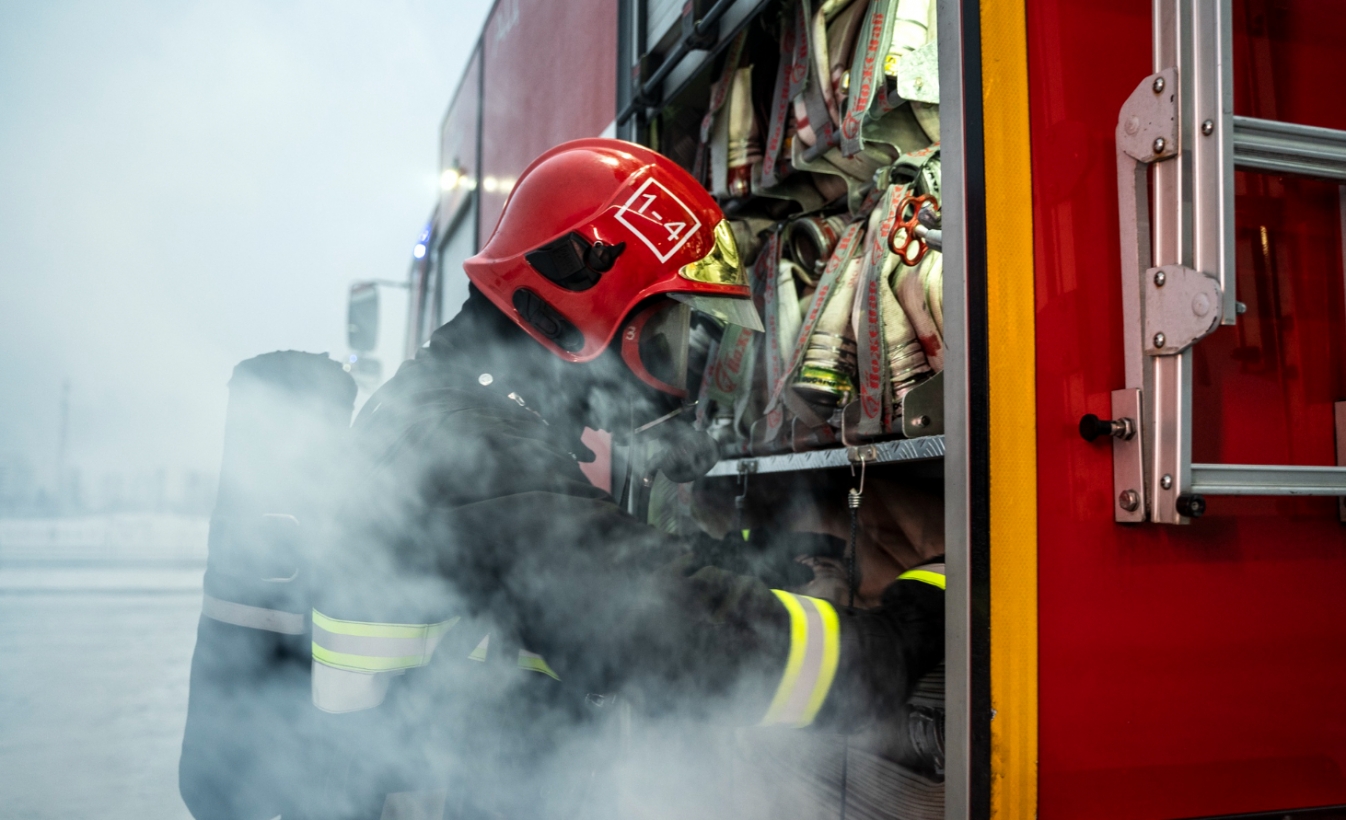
(188, 183)
(454, 505)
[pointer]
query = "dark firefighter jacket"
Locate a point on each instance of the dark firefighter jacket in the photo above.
(481, 595)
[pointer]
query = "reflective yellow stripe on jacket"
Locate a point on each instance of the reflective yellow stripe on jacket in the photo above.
(361, 646)
(815, 648)
(528, 661)
(533, 662)
(932, 574)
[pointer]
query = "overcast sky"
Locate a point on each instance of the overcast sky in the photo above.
(187, 183)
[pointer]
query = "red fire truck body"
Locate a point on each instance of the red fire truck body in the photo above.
(1188, 670)
(1097, 668)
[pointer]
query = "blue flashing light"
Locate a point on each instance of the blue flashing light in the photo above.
(422, 241)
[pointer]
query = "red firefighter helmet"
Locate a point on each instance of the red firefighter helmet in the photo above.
(593, 229)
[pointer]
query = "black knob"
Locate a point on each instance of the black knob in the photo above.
(1092, 427)
(1191, 506)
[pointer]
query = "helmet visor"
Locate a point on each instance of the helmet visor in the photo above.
(721, 266)
(654, 346)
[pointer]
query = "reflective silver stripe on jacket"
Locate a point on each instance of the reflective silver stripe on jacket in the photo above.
(252, 617)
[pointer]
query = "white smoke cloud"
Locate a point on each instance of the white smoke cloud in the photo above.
(186, 184)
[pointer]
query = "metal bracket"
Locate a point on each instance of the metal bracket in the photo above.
(1128, 474)
(1182, 307)
(923, 408)
(862, 453)
(1147, 128)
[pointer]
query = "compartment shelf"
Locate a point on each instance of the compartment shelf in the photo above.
(925, 448)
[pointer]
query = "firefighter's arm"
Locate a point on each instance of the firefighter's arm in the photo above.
(840, 669)
(612, 603)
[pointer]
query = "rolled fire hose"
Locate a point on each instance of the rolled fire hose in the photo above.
(744, 144)
(908, 364)
(827, 376)
(842, 35)
(932, 278)
(809, 242)
(906, 358)
(789, 313)
(821, 64)
(911, 294)
(911, 30)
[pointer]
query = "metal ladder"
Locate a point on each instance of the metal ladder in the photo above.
(1178, 268)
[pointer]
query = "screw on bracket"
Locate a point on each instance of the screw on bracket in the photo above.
(1158, 85)
(1159, 145)
(1129, 500)
(1159, 340)
(1159, 278)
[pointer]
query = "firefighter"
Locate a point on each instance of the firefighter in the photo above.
(482, 598)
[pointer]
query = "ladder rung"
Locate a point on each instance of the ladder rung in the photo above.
(1286, 148)
(1262, 479)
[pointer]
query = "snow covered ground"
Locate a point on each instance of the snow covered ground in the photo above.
(97, 624)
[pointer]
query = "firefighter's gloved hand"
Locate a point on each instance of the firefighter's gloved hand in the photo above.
(680, 451)
(885, 651)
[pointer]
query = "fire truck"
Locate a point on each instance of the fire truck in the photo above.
(1126, 384)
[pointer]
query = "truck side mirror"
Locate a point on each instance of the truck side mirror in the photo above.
(362, 317)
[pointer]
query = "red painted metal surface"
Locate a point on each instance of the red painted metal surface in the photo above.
(1198, 670)
(550, 77)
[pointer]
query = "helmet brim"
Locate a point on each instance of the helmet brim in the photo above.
(732, 309)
